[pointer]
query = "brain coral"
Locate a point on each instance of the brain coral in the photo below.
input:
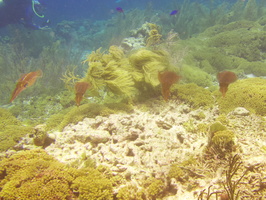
(248, 93)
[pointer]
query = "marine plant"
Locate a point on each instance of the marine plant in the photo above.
(35, 175)
(248, 93)
(147, 64)
(232, 186)
(11, 130)
(110, 72)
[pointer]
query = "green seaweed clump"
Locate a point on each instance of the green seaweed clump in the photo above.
(194, 95)
(11, 130)
(110, 72)
(248, 93)
(35, 175)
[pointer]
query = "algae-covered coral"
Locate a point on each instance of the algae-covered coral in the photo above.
(248, 93)
(35, 175)
(11, 130)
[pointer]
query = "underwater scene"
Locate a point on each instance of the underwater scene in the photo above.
(133, 100)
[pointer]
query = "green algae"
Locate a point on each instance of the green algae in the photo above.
(248, 93)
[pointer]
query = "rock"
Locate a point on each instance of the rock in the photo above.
(98, 136)
(162, 124)
(240, 111)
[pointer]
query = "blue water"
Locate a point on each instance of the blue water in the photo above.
(104, 9)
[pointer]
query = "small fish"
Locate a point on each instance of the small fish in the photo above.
(120, 10)
(225, 78)
(167, 79)
(80, 89)
(25, 81)
(174, 12)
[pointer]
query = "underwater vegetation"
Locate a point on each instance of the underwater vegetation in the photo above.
(11, 130)
(129, 77)
(35, 175)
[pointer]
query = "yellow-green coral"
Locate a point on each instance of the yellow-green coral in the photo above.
(194, 95)
(221, 140)
(150, 188)
(248, 93)
(11, 130)
(92, 185)
(34, 175)
(196, 75)
(176, 170)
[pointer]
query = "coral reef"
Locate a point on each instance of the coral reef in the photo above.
(193, 95)
(248, 93)
(222, 48)
(35, 175)
(76, 114)
(11, 130)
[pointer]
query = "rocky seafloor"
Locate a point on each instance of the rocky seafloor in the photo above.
(146, 142)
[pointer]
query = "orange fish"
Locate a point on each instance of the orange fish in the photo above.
(225, 78)
(25, 81)
(167, 79)
(80, 88)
